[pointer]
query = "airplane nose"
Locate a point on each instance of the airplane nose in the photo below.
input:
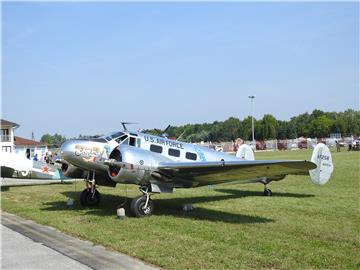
(66, 149)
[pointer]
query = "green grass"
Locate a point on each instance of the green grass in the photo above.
(232, 226)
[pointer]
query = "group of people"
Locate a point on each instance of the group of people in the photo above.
(355, 145)
(49, 157)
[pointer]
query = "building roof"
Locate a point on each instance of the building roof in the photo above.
(4, 122)
(18, 141)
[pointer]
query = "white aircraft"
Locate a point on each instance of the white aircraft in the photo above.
(17, 166)
(157, 164)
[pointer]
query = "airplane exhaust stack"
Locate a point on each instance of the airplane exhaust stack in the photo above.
(322, 158)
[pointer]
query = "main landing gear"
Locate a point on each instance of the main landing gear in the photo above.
(142, 206)
(90, 196)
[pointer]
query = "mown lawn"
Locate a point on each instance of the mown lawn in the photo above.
(232, 226)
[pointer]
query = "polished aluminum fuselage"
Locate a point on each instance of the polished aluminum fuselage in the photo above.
(138, 149)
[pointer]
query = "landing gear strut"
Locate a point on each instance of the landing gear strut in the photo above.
(142, 206)
(90, 196)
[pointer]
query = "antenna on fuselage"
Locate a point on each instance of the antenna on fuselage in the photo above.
(178, 138)
(127, 123)
(163, 133)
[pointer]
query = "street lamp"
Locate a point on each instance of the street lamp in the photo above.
(252, 120)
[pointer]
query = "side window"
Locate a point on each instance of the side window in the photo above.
(132, 141)
(191, 156)
(138, 142)
(174, 152)
(156, 148)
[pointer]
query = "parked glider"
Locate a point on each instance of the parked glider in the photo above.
(157, 164)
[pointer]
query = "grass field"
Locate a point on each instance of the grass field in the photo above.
(232, 226)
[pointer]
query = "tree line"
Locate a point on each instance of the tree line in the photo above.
(56, 140)
(317, 124)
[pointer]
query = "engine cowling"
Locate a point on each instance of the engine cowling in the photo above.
(71, 171)
(133, 165)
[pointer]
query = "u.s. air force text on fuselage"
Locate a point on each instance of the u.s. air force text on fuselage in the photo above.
(162, 141)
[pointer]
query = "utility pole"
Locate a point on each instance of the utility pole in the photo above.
(252, 120)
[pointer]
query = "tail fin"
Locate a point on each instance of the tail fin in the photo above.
(322, 158)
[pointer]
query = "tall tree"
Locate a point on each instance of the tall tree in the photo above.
(269, 126)
(320, 127)
(232, 128)
(53, 140)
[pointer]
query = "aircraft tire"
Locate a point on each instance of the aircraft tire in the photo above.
(137, 205)
(86, 198)
(267, 192)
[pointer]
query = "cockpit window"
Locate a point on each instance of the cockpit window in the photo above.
(121, 139)
(114, 135)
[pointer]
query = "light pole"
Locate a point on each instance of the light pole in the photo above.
(252, 120)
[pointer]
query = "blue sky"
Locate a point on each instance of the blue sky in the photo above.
(82, 68)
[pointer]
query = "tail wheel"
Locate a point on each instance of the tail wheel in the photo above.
(267, 192)
(87, 198)
(138, 207)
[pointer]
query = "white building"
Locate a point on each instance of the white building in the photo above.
(7, 136)
(30, 148)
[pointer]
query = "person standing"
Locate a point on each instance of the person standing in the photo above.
(337, 146)
(244, 151)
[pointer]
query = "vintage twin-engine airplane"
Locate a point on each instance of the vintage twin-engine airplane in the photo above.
(158, 164)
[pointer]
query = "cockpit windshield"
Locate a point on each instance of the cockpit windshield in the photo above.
(115, 136)
(121, 139)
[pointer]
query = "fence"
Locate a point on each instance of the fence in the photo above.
(271, 145)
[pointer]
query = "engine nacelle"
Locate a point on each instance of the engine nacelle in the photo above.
(71, 171)
(137, 164)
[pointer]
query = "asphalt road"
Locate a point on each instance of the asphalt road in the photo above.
(20, 252)
(28, 245)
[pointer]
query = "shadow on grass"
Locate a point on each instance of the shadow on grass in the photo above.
(173, 206)
(241, 193)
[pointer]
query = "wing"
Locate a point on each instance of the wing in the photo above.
(205, 173)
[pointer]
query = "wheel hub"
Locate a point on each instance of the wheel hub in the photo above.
(146, 210)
